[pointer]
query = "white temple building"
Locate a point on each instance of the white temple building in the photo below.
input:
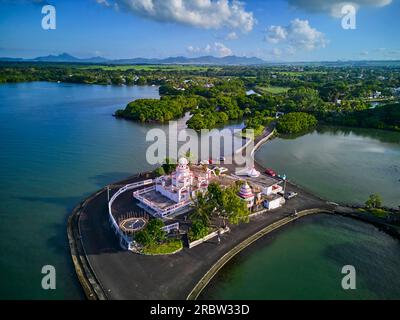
(174, 192)
(182, 183)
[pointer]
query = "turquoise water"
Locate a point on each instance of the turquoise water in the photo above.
(340, 164)
(59, 144)
(304, 261)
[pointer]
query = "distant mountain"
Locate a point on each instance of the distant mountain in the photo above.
(64, 57)
(206, 60)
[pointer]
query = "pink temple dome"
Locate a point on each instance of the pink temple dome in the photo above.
(245, 191)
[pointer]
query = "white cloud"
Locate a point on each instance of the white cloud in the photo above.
(333, 7)
(103, 2)
(298, 34)
(290, 51)
(222, 50)
(232, 36)
(276, 52)
(208, 14)
(217, 48)
(276, 34)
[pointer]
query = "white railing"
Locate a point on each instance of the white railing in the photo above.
(171, 209)
(144, 190)
(124, 239)
(173, 226)
(159, 212)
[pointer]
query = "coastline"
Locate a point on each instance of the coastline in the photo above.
(92, 284)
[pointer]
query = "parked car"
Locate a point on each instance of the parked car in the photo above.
(290, 195)
(270, 172)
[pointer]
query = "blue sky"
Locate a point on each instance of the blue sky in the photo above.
(275, 30)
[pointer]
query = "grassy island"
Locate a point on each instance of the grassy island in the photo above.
(296, 122)
(158, 110)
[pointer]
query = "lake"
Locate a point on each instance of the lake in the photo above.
(340, 164)
(60, 143)
(304, 260)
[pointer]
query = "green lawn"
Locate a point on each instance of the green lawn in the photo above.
(165, 248)
(273, 90)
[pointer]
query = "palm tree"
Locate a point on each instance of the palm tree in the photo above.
(203, 209)
(189, 155)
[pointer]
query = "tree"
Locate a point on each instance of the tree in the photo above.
(296, 122)
(168, 166)
(159, 171)
(214, 193)
(189, 156)
(203, 209)
(224, 203)
(154, 228)
(152, 233)
(198, 230)
(233, 208)
(374, 201)
(144, 238)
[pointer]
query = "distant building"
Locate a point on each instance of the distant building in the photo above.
(376, 95)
